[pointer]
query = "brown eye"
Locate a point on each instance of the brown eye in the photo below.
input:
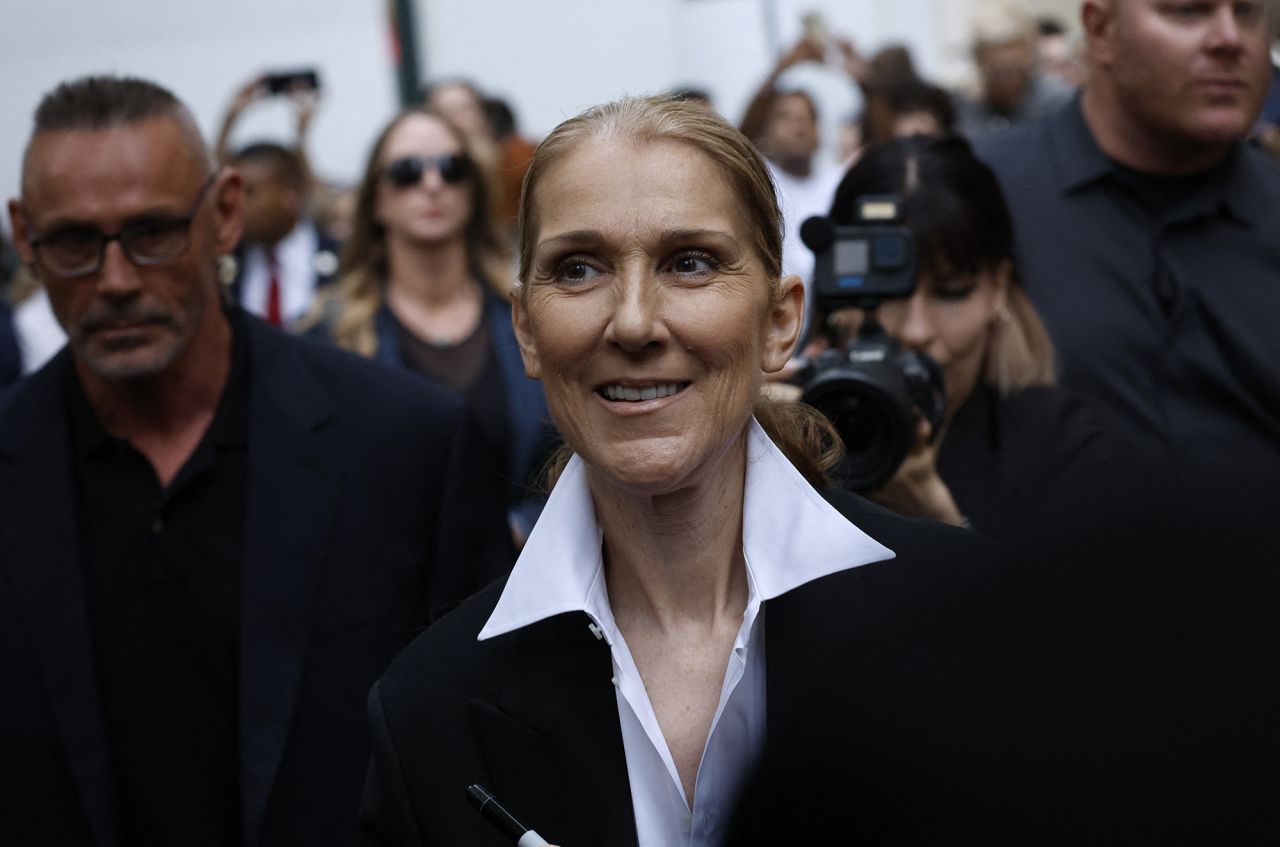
(694, 264)
(575, 270)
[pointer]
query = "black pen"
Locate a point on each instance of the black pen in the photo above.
(493, 812)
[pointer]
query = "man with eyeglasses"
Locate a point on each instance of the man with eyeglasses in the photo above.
(213, 537)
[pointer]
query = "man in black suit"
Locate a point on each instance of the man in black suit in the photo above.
(213, 537)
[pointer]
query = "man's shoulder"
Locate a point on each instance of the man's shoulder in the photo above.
(303, 371)
(24, 403)
(1026, 146)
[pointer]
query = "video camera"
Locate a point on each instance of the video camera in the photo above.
(873, 391)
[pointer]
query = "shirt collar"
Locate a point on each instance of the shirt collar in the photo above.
(1080, 159)
(1243, 193)
(790, 536)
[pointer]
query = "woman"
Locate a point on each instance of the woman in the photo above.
(422, 288)
(1012, 446)
(618, 688)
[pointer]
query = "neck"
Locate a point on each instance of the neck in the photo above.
(431, 274)
(1125, 140)
(676, 558)
(165, 406)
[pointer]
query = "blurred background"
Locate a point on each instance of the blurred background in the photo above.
(547, 59)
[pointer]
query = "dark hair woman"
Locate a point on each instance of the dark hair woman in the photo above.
(1009, 438)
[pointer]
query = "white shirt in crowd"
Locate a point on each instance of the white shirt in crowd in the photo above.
(297, 258)
(790, 536)
(800, 198)
(39, 334)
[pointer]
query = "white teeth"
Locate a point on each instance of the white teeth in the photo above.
(632, 394)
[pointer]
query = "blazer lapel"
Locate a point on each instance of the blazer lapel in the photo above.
(292, 493)
(42, 560)
(551, 740)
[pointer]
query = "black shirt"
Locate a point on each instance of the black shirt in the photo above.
(471, 368)
(162, 571)
(1017, 464)
(1161, 294)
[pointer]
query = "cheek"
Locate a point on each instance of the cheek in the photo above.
(564, 330)
(964, 327)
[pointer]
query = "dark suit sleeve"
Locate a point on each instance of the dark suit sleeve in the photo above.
(386, 814)
(474, 545)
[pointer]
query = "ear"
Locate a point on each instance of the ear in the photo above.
(524, 335)
(21, 233)
(1097, 20)
(782, 326)
(228, 210)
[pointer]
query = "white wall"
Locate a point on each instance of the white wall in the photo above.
(203, 51)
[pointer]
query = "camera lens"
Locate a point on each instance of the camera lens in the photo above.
(870, 410)
(873, 395)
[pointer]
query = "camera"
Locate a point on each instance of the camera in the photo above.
(873, 391)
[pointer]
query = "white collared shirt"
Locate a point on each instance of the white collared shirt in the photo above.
(790, 536)
(296, 256)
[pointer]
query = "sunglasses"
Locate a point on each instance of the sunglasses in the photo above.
(404, 173)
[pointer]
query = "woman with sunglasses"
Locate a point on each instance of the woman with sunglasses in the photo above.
(423, 287)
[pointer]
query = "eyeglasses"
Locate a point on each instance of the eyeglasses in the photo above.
(404, 173)
(78, 251)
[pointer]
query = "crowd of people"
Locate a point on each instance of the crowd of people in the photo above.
(321, 503)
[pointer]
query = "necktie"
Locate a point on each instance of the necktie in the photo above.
(273, 290)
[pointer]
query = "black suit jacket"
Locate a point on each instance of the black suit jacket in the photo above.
(356, 536)
(896, 659)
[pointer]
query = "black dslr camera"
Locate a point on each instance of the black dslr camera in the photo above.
(873, 391)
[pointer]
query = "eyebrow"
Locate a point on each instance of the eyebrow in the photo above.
(592, 237)
(62, 222)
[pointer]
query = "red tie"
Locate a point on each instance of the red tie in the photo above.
(273, 290)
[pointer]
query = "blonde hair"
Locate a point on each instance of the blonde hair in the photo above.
(349, 310)
(1019, 354)
(803, 434)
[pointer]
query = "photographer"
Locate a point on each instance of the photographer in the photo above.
(1009, 444)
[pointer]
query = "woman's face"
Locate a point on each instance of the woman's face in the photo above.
(648, 315)
(437, 206)
(950, 319)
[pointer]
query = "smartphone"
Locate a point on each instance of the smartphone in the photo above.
(283, 82)
(815, 28)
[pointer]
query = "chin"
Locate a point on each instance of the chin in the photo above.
(655, 468)
(124, 365)
(1221, 127)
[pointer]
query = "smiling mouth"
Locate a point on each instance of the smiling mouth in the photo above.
(638, 394)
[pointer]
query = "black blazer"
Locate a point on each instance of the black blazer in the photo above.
(357, 534)
(909, 657)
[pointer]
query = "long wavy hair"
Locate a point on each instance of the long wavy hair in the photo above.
(803, 434)
(350, 310)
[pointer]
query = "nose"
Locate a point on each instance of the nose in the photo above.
(1226, 33)
(636, 322)
(918, 328)
(118, 277)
